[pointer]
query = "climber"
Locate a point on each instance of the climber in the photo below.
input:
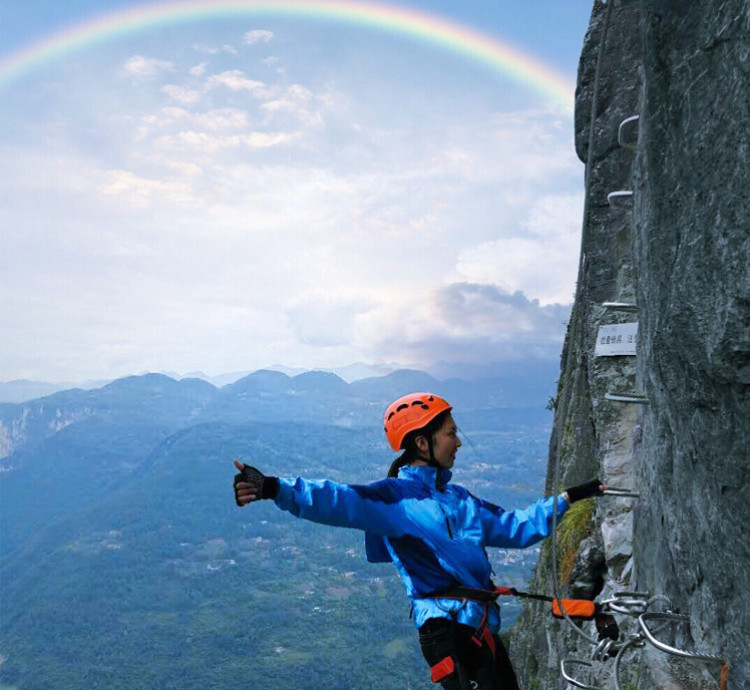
(434, 532)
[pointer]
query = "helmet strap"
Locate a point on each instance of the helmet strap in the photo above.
(432, 462)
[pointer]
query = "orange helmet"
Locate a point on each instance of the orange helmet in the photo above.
(413, 411)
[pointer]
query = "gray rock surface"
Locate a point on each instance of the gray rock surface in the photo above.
(679, 249)
(692, 225)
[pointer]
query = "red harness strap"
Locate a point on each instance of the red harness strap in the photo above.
(489, 640)
(442, 669)
(445, 667)
(482, 635)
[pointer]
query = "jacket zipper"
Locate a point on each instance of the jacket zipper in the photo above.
(447, 524)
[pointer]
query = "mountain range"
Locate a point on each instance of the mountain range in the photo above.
(125, 562)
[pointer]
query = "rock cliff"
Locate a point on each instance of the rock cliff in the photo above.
(662, 124)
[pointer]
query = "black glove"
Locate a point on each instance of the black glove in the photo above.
(267, 487)
(587, 490)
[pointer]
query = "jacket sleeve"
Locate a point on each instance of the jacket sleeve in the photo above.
(376, 508)
(519, 528)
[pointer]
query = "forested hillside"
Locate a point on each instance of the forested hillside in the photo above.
(125, 562)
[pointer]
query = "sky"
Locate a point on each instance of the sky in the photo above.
(222, 186)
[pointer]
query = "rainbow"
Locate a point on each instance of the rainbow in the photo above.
(460, 39)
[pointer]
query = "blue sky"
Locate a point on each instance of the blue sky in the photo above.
(222, 195)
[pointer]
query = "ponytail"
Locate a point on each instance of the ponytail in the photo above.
(404, 459)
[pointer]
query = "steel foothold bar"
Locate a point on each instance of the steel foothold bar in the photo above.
(625, 306)
(668, 649)
(623, 493)
(635, 595)
(627, 398)
(570, 679)
(620, 194)
(620, 131)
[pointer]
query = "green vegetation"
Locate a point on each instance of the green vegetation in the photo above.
(572, 530)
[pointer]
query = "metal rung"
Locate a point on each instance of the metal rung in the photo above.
(623, 493)
(625, 306)
(570, 679)
(623, 194)
(668, 649)
(627, 398)
(621, 132)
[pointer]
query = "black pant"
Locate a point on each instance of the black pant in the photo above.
(476, 668)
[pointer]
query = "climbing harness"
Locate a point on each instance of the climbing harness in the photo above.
(580, 609)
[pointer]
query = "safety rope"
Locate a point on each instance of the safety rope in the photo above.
(634, 641)
(573, 681)
(672, 618)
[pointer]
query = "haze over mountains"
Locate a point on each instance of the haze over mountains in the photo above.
(22, 390)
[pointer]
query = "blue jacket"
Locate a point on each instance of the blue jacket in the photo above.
(435, 538)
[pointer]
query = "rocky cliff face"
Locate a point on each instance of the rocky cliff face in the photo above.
(671, 421)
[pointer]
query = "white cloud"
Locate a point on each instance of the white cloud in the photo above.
(235, 80)
(182, 94)
(210, 143)
(140, 192)
(221, 119)
(144, 68)
(469, 322)
(198, 70)
(295, 100)
(214, 50)
(542, 262)
(257, 35)
(325, 319)
(182, 121)
(209, 50)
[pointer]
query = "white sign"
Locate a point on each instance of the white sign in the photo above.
(616, 339)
